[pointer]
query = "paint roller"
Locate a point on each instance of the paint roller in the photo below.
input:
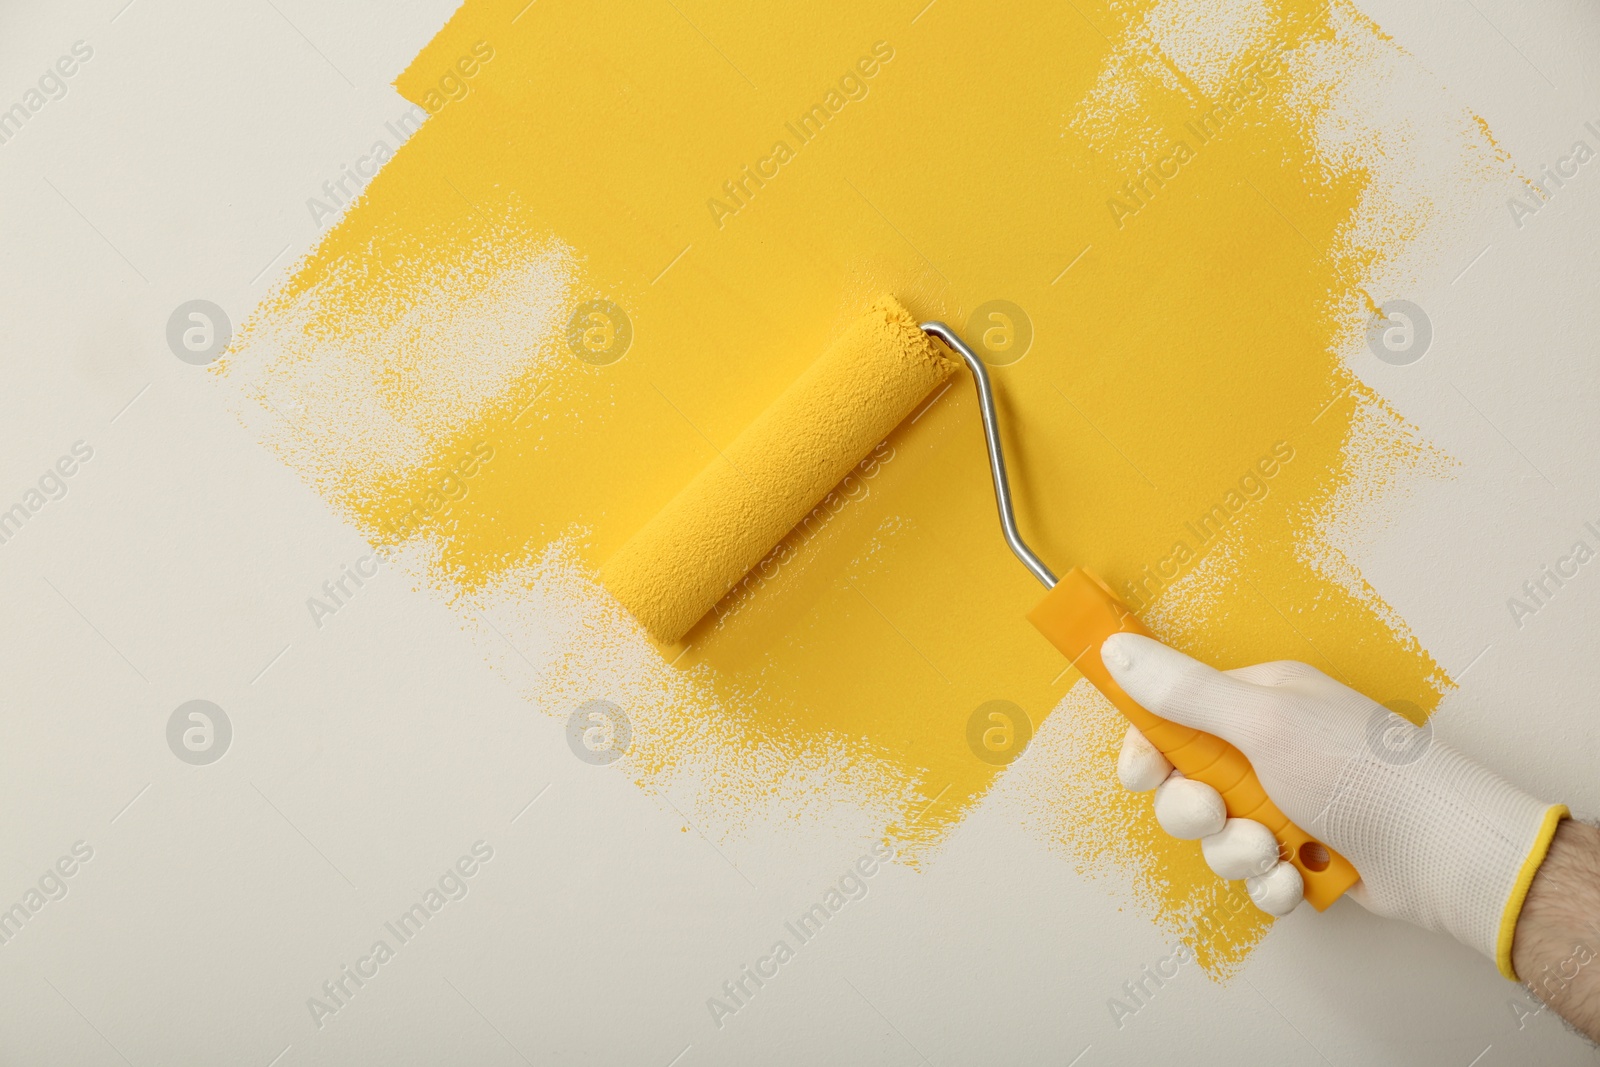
(726, 520)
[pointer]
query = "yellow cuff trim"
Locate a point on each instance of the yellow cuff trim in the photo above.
(1519, 891)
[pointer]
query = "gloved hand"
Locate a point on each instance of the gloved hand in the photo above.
(1439, 840)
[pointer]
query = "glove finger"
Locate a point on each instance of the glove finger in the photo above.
(1185, 690)
(1188, 809)
(1279, 672)
(1243, 848)
(1278, 892)
(1140, 765)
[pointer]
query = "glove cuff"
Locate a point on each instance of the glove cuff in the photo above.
(1519, 890)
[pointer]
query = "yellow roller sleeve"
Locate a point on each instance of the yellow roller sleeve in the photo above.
(671, 572)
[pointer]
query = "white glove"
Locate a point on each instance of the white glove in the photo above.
(1188, 810)
(1439, 840)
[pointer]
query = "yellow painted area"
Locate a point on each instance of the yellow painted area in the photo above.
(743, 181)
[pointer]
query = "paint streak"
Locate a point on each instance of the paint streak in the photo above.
(416, 370)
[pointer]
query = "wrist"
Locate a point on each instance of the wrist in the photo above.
(1560, 910)
(1557, 937)
(1533, 872)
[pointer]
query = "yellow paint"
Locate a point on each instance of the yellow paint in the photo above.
(719, 526)
(743, 181)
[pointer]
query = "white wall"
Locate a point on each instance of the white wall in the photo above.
(369, 755)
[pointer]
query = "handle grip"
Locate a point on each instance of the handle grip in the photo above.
(1077, 616)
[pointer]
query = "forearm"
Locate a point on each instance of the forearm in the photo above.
(1556, 948)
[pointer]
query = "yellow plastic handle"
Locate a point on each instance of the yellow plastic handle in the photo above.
(1080, 613)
